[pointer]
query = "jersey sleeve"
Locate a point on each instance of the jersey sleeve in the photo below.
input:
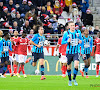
(95, 42)
(80, 35)
(34, 38)
(65, 38)
(91, 44)
(10, 46)
(28, 44)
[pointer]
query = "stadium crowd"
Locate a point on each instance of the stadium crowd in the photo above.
(28, 14)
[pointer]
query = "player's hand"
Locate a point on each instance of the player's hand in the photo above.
(69, 40)
(3, 52)
(38, 46)
(80, 41)
(93, 57)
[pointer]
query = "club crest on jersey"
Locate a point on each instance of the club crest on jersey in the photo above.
(77, 34)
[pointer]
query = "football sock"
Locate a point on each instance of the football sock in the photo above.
(20, 69)
(63, 69)
(69, 74)
(15, 68)
(42, 69)
(4, 69)
(97, 70)
(23, 71)
(9, 68)
(86, 69)
(66, 67)
(75, 73)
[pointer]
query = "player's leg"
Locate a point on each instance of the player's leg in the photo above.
(88, 61)
(42, 68)
(86, 65)
(69, 60)
(5, 61)
(2, 65)
(76, 64)
(9, 68)
(97, 69)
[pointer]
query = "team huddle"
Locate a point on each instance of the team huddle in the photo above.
(14, 49)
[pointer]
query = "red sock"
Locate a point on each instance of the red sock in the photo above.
(63, 69)
(9, 68)
(23, 71)
(66, 68)
(97, 69)
(20, 69)
(15, 68)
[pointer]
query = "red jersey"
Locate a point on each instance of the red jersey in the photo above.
(97, 44)
(14, 47)
(62, 48)
(22, 46)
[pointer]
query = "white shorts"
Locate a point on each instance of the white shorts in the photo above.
(12, 58)
(16, 57)
(63, 59)
(97, 57)
(22, 58)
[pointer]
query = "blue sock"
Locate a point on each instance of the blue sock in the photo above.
(75, 73)
(42, 69)
(4, 70)
(69, 74)
(86, 69)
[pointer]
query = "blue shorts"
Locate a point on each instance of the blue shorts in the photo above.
(85, 56)
(72, 57)
(36, 56)
(3, 59)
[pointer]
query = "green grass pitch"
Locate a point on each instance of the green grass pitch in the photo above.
(51, 83)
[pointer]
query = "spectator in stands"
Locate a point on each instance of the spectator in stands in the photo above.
(23, 8)
(54, 22)
(83, 29)
(5, 15)
(91, 31)
(66, 27)
(74, 10)
(26, 27)
(68, 3)
(10, 5)
(49, 8)
(1, 7)
(76, 27)
(30, 34)
(10, 30)
(61, 28)
(17, 2)
(78, 2)
(19, 20)
(15, 26)
(30, 4)
(78, 22)
(83, 7)
(44, 11)
(5, 25)
(31, 13)
(48, 28)
(13, 13)
(88, 19)
(96, 30)
(57, 8)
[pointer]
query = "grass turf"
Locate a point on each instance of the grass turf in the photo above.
(51, 83)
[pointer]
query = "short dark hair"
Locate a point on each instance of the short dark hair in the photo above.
(38, 27)
(6, 33)
(24, 32)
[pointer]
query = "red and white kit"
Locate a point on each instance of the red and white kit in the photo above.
(62, 51)
(22, 49)
(15, 48)
(97, 53)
